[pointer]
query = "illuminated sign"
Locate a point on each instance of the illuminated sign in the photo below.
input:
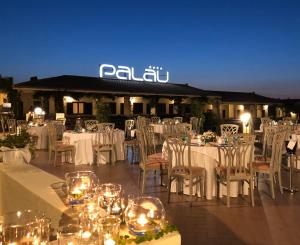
(151, 74)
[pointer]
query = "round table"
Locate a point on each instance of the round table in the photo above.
(207, 157)
(84, 146)
(42, 133)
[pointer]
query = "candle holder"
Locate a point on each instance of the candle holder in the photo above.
(90, 214)
(145, 214)
(68, 235)
(109, 228)
(80, 185)
(109, 197)
(24, 227)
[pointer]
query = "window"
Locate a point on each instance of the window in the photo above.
(187, 108)
(238, 113)
(161, 109)
(37, 103)
(122, 108)
(223, 113)
(137, 108)
(171, 109)
(112, 107)
(80, 108)
(148, 110)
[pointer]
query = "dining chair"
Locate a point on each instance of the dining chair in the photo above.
(21, 125)
(59, 146)
(130, 141)
(149, 162)
(183, 128)
(234, 165)
(141, 122)
(106, 125)
(228, 129)
(91, 125)
(155, 120)
(178, 119)
(12, 126)
(181, 168)
(196, 123)
(272, 168)
(105, 143)
(150, 138)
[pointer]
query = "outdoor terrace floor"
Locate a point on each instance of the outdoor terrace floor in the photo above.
(208, 222)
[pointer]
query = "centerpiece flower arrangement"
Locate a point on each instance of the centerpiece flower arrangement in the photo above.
(21, 140)
(209, 136)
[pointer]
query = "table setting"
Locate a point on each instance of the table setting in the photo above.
(95, 214)
(84, 141)
(204, 150)
(39, 130)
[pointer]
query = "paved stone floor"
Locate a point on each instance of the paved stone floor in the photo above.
(209, 222)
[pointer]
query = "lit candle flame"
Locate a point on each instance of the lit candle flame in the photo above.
(142, 220)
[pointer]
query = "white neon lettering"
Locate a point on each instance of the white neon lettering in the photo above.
(123, 73)
(151, 74)
(103, 72)
(134, 77)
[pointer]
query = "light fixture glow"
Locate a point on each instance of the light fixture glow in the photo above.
(245, 117)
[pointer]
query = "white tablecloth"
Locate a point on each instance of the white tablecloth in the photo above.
(42, 134)
(207, 157)
(158, 128)
(84, 146)
(173, 238)
(27, 187)
(15, 156)
(297, 137)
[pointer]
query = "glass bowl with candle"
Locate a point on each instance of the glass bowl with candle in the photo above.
(80, 185)
(24, 227)
(145, 214)
(109, 228)
(109, 197)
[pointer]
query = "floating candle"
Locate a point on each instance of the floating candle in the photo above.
(86, 235)
(142, 220)
(109, 242)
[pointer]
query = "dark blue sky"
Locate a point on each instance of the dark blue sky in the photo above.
(242, 45)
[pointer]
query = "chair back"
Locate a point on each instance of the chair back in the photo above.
(229, 129)
(178, 119)
(168, 120)
(12, 127)
(52, 135)
(183, 128)
(155, 120)
(288, 130)
(103, 126)
(196, 123)
(178, 148)
(90, 125)
(268, 140)
(168, 128)
(241, 138)
(22, 124)
(2, 124)
(129, 126)
(141, 122)
(150, 140)
(105, 137)
(59, 128)
(236, 158)
(277, 149)
(266, 121)
(142, 146)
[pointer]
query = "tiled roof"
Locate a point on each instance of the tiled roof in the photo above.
(244, 97)
(111, 86)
